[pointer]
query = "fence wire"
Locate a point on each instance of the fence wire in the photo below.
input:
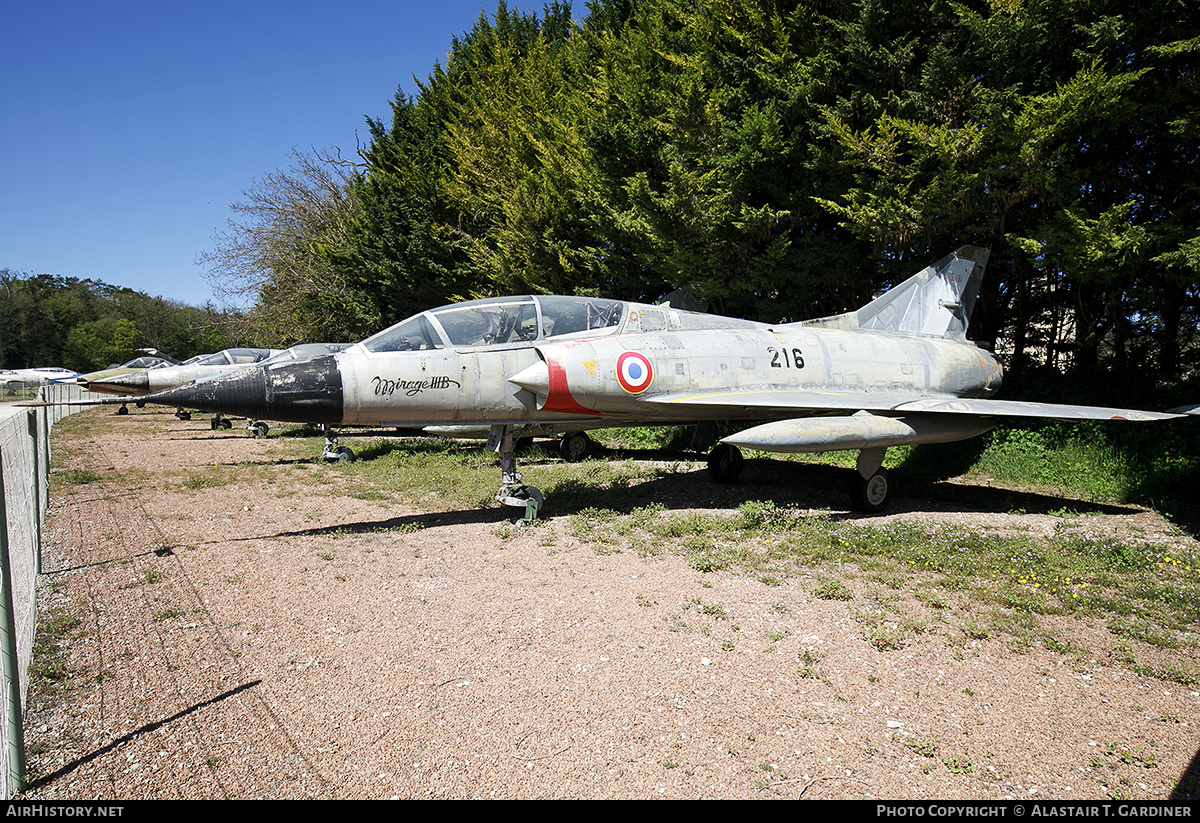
(24, 479)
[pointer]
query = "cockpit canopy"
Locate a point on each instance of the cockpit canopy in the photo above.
(144, 362)
(500, 321)
(235, 357)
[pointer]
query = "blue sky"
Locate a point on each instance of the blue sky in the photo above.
(127, 128)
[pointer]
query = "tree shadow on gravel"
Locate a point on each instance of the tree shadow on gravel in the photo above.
(125, 738)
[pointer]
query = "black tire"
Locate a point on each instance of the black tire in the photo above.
(871, 494)
(575, 446)
(725, 463)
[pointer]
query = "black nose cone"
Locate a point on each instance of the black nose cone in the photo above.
(309, 391)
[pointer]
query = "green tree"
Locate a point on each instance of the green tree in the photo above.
(101, 343)
(277, 256)
(1052, 118)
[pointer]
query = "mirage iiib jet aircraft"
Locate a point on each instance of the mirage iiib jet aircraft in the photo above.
(897, 371)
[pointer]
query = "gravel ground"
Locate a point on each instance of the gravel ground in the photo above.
(235, 642)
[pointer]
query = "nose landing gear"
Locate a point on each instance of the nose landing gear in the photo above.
(513, 491)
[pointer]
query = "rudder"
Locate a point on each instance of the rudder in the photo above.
(936, 301)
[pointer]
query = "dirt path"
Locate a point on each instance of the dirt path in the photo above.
(234, 641)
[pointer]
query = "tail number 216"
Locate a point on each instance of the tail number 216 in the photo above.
(786, 358)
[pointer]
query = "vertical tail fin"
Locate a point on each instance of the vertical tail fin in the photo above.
(936, 301)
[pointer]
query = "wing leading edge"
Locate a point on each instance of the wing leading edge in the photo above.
(761, 402)
(835, 420)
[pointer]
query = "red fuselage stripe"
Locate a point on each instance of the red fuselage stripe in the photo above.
(559, 398)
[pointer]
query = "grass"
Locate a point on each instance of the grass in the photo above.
(50, 662)
(1154, 464)
(74, 477)
(900, 579)
(985, 584)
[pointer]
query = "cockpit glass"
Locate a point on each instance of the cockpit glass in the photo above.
(413, 334)
(489, 324)
(241, 357)
(142, 362)
(499, 321)
(218, 359)
(571, 315)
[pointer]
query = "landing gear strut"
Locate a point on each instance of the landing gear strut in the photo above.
(513, 491)
(332, 451)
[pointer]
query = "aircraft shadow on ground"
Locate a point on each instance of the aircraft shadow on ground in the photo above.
(786, 484)
(391, 524)
(827, 487)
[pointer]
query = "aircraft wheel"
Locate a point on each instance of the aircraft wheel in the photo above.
(534, 494)
(260, 429)
(141, 404)
(226, 424)
(872, 494)
(533, 502)
(214, 424)
(184, 415)
(123, 410)
(574, 446)
(725, 463)
(344, 454)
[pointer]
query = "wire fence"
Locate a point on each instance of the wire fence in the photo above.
(24, 498)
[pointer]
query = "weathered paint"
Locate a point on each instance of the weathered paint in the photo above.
(858, 431)
(572, 364)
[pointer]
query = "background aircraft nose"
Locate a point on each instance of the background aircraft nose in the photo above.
(308, 391)
(135, 383)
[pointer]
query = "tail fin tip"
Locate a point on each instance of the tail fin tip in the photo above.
(936, 301)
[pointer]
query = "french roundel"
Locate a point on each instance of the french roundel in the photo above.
(634, 372)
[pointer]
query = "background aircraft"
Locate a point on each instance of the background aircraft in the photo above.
(27, 378)
(148, 358)
(163, 375)
(897, 371)
(169, 375)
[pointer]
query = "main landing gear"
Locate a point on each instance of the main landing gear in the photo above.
(870, 486)
(513, 491)
(725, 463)
(574, 446)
